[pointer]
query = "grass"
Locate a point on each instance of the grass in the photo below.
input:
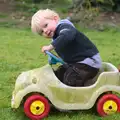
(3, 15)
(20, 50)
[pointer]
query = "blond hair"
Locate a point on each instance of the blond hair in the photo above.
(36, 18)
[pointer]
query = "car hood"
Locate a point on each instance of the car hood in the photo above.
(43, 75)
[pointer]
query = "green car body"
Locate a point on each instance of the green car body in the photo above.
(43, 80)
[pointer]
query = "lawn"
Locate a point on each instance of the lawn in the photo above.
(20, 50)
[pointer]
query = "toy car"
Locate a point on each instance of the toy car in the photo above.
(40, 88)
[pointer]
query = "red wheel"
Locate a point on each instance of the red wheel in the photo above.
(36, 107)
(108, 104)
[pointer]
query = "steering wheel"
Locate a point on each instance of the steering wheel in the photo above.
(53, 59)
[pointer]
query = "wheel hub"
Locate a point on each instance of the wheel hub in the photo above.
(110, 107)
(37, 107)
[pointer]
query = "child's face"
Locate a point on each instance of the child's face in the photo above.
(48, 26)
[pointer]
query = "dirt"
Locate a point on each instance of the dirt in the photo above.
(109, 18)
(7, 7)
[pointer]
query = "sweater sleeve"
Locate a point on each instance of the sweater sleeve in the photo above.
(66, 33)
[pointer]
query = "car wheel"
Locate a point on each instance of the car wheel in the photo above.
(36, 107)
(108, 104)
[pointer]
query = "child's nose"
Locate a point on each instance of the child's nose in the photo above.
(45, 30)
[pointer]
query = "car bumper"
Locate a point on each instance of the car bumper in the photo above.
(13, 101)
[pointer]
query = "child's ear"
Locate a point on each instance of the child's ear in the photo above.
(55, 18)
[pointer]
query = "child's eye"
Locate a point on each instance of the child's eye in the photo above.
(46, 25)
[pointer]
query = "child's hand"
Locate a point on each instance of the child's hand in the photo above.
(47, 48)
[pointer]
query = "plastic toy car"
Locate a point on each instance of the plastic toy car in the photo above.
(40, 88)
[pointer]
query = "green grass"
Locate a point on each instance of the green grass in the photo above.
(8, 24)
(20, 50)
(2, 15)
